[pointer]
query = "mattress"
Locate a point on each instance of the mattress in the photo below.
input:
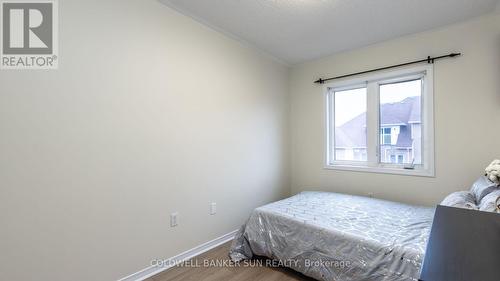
(338, 237)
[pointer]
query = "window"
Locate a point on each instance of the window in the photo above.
(350, 106)
(382, 123)
(400, 108)
(400, 159)
(393, 159)
(385, 136)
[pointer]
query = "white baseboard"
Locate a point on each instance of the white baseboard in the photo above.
(187, 255)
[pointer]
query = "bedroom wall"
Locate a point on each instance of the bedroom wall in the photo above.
(148, 113)
(467, 112)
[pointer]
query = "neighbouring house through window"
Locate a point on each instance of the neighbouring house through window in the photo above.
(382, 122)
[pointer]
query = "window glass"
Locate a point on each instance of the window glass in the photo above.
(400, 122)
(350, 125)
(385, 136)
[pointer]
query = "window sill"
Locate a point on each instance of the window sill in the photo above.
(383, 170)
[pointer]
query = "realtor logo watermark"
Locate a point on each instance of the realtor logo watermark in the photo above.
(29, 34)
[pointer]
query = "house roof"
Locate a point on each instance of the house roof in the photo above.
(403, 113)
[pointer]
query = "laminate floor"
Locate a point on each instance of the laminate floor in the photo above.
(207, 267)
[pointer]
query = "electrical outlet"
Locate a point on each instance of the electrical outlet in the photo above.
(213, 208)
(174, 219)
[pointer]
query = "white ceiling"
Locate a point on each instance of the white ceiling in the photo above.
(295, 31)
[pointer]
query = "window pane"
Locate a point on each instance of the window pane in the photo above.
(400, 122)
(350, 125)
(400, 159)
(387, 139)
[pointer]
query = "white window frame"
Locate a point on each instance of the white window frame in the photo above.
(372, 82)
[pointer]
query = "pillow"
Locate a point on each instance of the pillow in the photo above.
(493, 171)
(482, 187)
(460, 199)
(491, 202)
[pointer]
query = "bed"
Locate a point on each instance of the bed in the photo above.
(338, 237)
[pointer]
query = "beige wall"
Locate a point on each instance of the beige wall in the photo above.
(149, 113)
(467, 112)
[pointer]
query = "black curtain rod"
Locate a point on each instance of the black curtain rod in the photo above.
(428, 60)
